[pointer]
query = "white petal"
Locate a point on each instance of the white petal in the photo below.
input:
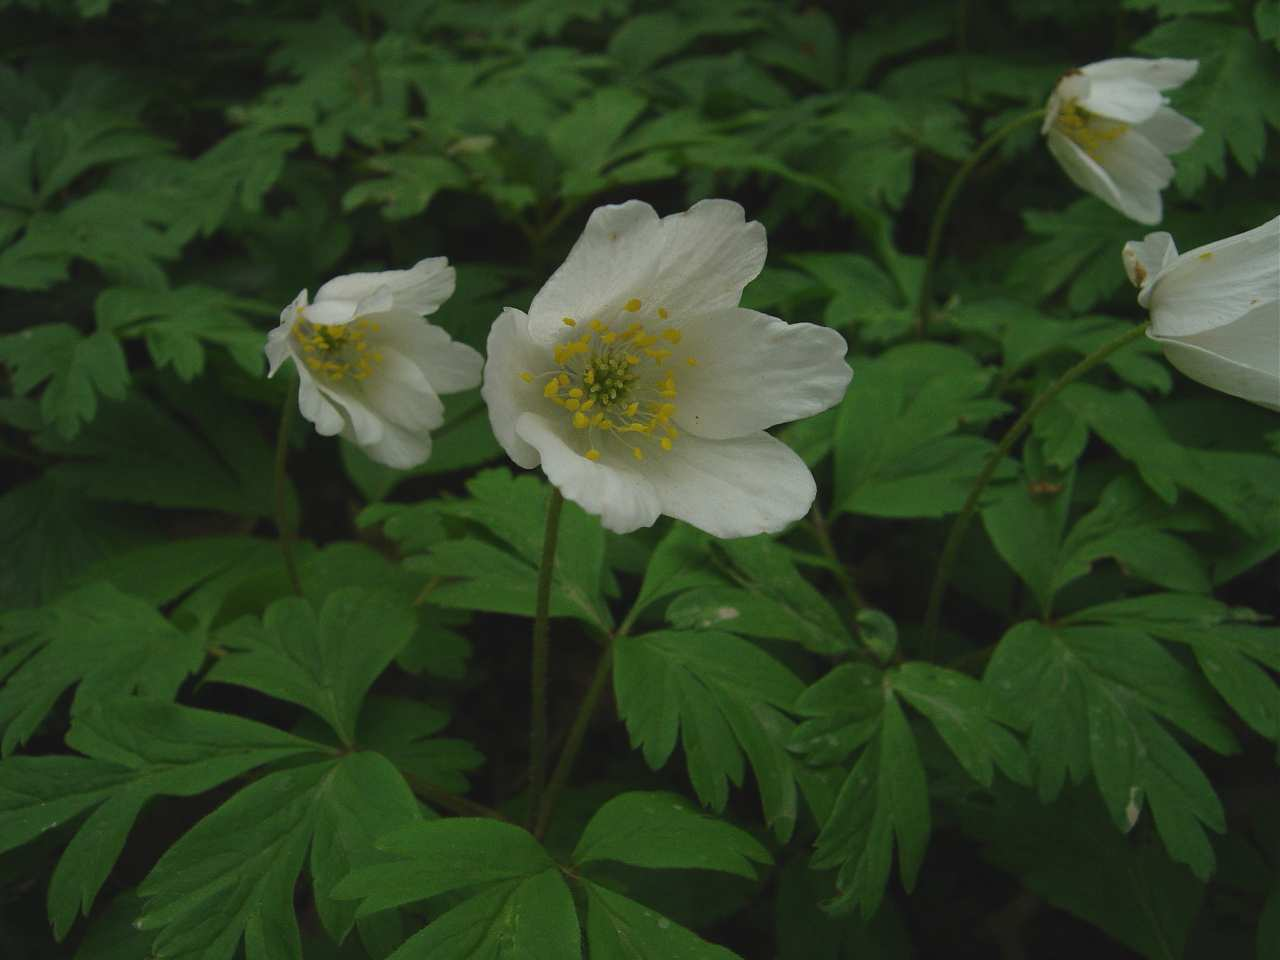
(396, 447)
(1139, 172)
(420, 289)
(615, 491)
(448, 366)
(277, 348)
(1083, 170)
(315, 407)
(1163, 74)
(710, 253)
(1144, 259)
(732, 488)
(1073, 86)
(1126, 99)
(754, 371)
(511, 352)
(1241, 358)
(398, 392)
(616, 256)
(331, 312)
(362, 426)
(1169, 131)
(1218, 283)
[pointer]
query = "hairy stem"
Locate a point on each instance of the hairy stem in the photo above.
(924, 303)
(541, 654)
(955, 537)
(283, 528)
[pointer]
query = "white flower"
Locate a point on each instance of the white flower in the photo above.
(1216, 309)
(642, 388)
(369, 366)
(1110, 128)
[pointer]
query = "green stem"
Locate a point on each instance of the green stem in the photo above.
(541, 655)
(823, 534)
(445, 800)
(283, 528)
(924, 304)
(573, 743)
(951, 548)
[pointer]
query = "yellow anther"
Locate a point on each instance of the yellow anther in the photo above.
(527, 377)
(581, 420)
(564, 379)
(662, 314)
(562, 354)
(605, 424)
(608, 337)
(593, 454)
(637, 453)
(588, 403)
(632, 407)
(569, 321)
(671, 336)
(576, 392)
(596, 325)
(1207, 255)
(665, 443)
(377, 358)
(657, 354)
(572, 404)
(672, 432)
(597, 419)
(691, 361)
(632, 359)
(589, 377)
(552, 388)
(645, 340)
(632, 305)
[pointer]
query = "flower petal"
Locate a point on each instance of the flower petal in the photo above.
(754, 371)
(331, 312)
(710, 253)
(316, 408)
(512, 352)
(420, 289)
(277, 348)
(732, 488)
(1126, 99)
(1169, 131)
(395, 447)
(400, 393)
(1218, 283)
(1139, 172)
(1241, 358)
(448, 366)
(617, 493)
(617, 255)
(1164, 73)
(1144, 259)
(1083, 170)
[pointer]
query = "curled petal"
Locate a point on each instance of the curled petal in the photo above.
(420, 289)
(1144, 259)
(1164, 73)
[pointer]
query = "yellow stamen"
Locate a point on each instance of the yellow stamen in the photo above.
(593, 454)
(569, 321)
(671, 336)
(580, 420)
(527, 377)
(632, 305)
(662, 314)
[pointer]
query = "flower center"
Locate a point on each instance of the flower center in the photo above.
(612, 383)
(337, 350)
(1089, 130)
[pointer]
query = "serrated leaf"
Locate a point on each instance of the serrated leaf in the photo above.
(680, 561)
(101, 641)
(895, 453)
(621, 929)
(1078, 247)
(1108, 683)
(78, 369)
(660, 830)
(407, 185)
(721, 696)
(323, 660)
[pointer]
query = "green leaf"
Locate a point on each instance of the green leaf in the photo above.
(164, 572)
(621, 929)
(233, 874)
(323, 661)
(407, 185)
(101, 641)
(660, 830)
(722, 697)
(1069, 855)
(531, 918)
(424, 862)
(895, 452)
(77, 368)
(884, 798)
(680, 561)
(583, 137)
(968, 718)
(1108, 684)
(1220, 97)
(1078, 247)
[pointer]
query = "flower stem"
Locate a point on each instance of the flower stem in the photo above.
(823, 535)
(924, 304)
(541, 652)
(283, 527)
(951, 548)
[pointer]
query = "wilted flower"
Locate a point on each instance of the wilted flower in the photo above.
(642, 388)
(1110, 128)
(1216, 309)
(369, 366)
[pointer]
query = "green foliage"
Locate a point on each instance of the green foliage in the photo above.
(202, 759)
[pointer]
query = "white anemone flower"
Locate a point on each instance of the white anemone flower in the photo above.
(642, 388)
(1111, 128)
(370, 368)
(1216, 309)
